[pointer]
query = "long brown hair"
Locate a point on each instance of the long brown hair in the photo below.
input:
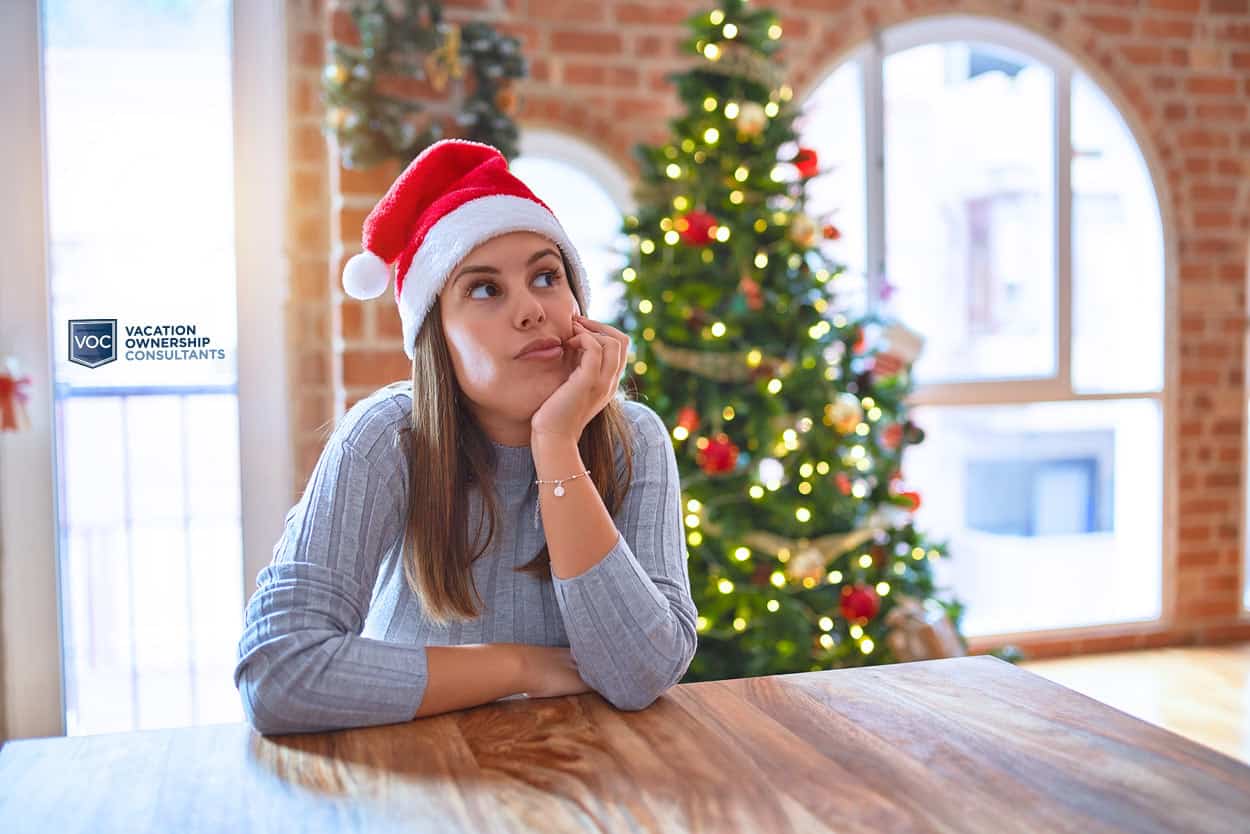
(444, 437)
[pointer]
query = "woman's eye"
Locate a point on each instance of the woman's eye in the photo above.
(554, 278)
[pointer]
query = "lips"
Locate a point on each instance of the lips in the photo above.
(541, 348)
(544, 353)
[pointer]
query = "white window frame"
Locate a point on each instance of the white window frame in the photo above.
(870, 57)
(552, 144)
(32, 685)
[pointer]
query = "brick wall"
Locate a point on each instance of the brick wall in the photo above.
(1179, 68)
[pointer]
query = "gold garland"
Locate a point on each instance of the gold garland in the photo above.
(723, 367)
(804, 558)
(738, 61)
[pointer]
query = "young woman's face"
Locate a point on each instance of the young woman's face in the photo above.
(508, 291)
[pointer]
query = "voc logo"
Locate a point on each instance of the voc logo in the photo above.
(92, 342)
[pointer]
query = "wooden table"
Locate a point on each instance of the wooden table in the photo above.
(959, 745)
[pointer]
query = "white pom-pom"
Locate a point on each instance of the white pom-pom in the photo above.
(365, 276)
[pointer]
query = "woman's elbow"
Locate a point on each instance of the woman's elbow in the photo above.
(269, 708)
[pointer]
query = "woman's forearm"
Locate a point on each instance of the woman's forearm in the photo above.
(459, 677)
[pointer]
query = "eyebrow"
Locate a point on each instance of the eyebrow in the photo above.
(493, 271)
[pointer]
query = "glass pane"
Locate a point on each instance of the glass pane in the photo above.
(141, 222)
(832, 124)
(1053, 510)
(591, 220)
(969, 201)
(1117, 253)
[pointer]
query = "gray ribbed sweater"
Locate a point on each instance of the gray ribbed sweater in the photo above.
(334, 637)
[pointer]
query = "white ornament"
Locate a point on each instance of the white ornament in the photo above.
(771, 470)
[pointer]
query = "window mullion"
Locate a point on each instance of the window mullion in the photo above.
(874, 170)
(1063, 223)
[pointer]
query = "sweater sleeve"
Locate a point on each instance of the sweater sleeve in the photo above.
(302, 664)
(630, 618)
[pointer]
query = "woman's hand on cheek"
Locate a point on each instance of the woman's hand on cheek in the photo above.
(599, 354)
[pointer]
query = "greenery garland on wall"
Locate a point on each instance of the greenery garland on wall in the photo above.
(402, 41)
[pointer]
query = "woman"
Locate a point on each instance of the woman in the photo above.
(504, 523)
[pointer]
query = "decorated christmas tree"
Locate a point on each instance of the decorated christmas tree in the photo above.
(786, 409)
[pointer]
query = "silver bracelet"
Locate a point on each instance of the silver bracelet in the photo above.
(559, 490)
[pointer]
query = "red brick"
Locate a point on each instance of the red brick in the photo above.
(374, 367)
(585, 42)
(588, 73)
(1214, 85)
(352, 320)
(308, 187)
(1200, 138)
(308, 144)
(653, 14)
(1221, 112)
(369, 182)
(1162, 27)
(1195, 533)
(311, 50)
(1175, 111)
(350, 221)
(1187, 6)
(626, 77)
(1239, 31)
(1213, 219)
(568, 11)
(1143, 53)
(1110, 24)
(343, 28)
(309, 279)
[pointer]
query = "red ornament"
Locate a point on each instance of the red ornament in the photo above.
(913, 498)
(860, 343)
(859, 603)
(843, 482)
(831, 232)
(751, 290)
(806, 162)
(688, 418)
(885, 364)
(719, 455)
(892, 436)
(696, 228)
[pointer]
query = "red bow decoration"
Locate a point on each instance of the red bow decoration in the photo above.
(13, 397)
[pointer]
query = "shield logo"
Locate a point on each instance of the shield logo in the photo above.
(92, 342)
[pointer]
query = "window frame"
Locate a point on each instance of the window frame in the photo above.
(32, 668)
(870, 57)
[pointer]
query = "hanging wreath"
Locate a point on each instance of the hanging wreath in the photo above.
(368, 89)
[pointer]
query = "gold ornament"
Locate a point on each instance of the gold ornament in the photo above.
(506, 100)
(846, 413)
(336, 73)
(803, 230)
(751, 119)
(445, 62)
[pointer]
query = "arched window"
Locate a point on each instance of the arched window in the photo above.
(993, 198)
(590, 197)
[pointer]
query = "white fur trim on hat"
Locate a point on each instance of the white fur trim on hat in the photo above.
(457, 233)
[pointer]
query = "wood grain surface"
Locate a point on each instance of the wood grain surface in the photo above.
(969, 744)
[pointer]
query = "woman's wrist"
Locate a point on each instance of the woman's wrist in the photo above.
(514, 657)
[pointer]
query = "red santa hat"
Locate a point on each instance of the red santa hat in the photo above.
(455, 195)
